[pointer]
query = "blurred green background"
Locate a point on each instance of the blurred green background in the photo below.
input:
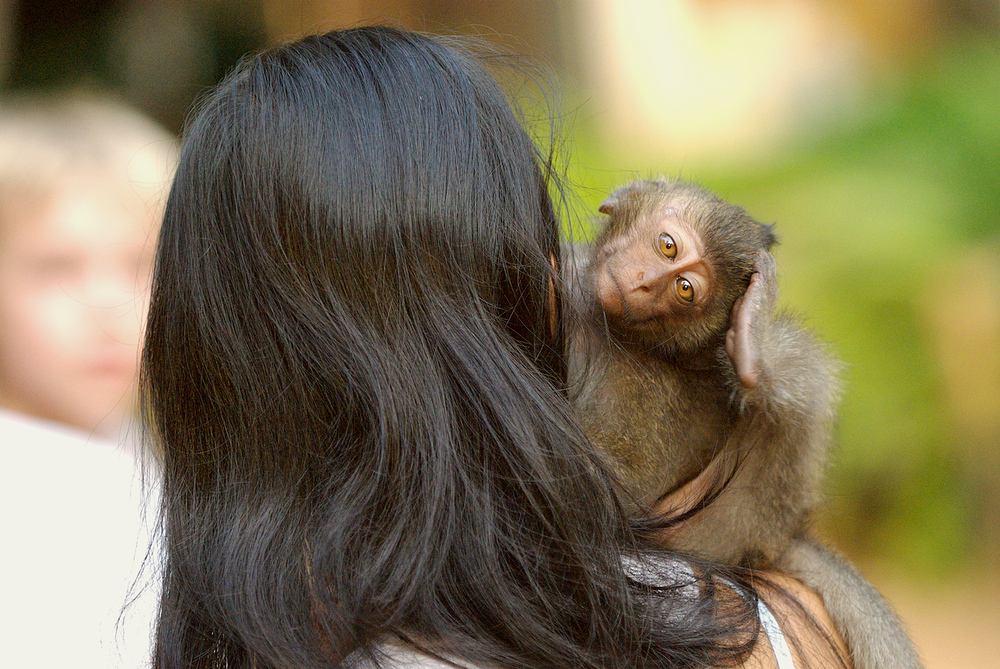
(889, 222)
(868, 132)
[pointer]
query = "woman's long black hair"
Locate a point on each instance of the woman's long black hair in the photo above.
(350, 371)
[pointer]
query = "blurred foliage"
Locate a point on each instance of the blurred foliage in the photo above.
(870, 212)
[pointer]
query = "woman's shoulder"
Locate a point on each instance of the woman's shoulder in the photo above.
(788, 609)
(799, 615)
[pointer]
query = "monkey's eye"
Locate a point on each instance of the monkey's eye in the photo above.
(685, 289)
(667, 245)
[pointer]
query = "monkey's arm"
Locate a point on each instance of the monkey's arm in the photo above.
(778, 366)
(870, 627)
(784, 392)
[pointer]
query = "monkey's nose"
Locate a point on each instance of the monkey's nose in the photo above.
(648, 282)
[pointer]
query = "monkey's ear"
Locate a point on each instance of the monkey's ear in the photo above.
(610, 204)
(770, 239)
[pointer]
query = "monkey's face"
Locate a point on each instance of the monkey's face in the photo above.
(655, 285)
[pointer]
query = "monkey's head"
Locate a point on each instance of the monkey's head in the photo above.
(670, 263)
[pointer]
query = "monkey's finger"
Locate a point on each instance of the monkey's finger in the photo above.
(749, 305)
(731, 332)
(744, 351)
(734, 312)
(737, 326)
(753, 298)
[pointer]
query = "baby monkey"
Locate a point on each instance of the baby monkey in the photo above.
(712, 405)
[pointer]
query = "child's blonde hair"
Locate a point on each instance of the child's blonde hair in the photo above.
(47, 140)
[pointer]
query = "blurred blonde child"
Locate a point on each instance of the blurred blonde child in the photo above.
(82, 183)
(81, 191)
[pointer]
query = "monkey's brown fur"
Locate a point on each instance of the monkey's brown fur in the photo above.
(662, 395)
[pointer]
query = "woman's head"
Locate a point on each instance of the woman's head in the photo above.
(379, 169)
(350, 369)
(342, 202)
(351, 301)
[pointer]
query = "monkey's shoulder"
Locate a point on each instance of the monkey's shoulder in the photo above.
(653, 415)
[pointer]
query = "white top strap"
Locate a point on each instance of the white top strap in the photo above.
(775, 635)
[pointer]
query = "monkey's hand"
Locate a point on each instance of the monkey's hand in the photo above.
(751, 315)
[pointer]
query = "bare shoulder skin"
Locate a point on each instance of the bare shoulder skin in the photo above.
(812, 636)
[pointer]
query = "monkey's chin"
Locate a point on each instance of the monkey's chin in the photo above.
(656, 335)
(642, 333)
(652, 325)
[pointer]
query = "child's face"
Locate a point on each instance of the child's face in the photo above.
(74, 280)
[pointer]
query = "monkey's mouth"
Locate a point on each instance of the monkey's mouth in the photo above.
(630, 318)
(653, 324)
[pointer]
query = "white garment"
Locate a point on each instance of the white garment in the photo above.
(74, 538)
(775, 636)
